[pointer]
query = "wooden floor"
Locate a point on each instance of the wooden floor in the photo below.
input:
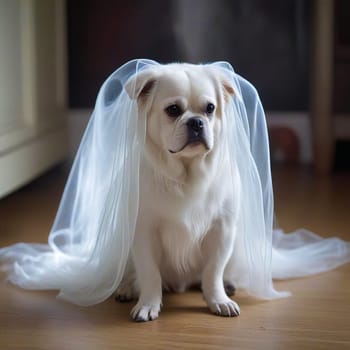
(316, 317)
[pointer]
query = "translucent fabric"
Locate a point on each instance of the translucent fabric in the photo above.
(91, 238)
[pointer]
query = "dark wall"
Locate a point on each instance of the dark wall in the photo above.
(266, 41)
(341, 100)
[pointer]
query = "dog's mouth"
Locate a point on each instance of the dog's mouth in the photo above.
(193, 142)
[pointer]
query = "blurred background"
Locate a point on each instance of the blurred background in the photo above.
(55, 55)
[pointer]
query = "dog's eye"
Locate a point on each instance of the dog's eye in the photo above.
(173, 111)
(210, 108)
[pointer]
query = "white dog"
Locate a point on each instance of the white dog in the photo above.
(171, 189)
(186, 224)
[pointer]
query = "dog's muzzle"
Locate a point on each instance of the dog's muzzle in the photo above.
(196, 133)
(195, 128)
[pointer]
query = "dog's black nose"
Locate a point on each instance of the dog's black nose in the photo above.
(195, 126)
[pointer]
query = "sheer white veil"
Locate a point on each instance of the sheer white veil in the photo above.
(89, 244)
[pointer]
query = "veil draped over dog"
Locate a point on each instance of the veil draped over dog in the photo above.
(91, 237)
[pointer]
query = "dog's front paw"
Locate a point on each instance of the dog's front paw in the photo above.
(226, 308)
(144, 313)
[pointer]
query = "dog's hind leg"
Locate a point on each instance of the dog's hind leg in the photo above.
(229, 288)
(128, 289)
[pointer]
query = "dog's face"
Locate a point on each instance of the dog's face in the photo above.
(183, 105)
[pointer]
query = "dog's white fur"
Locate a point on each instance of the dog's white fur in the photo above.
(186, 222)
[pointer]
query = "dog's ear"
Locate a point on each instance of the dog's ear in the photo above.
(140, 85)
(226, 84)
(228, 88)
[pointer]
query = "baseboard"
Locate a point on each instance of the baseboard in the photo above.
(299, 123)
(21, 165)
